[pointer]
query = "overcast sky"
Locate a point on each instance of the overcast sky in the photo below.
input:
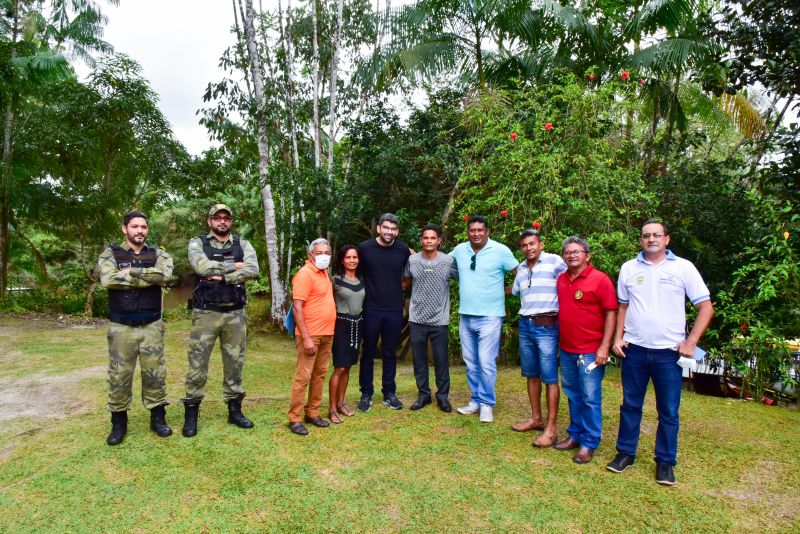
(178, 43)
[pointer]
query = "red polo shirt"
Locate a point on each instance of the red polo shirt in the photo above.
(582, 305)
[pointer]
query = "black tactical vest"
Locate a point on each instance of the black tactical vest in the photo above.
(134, 307)
(214, 295)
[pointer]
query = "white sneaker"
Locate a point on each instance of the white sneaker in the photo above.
(470, 408)
(487, 415)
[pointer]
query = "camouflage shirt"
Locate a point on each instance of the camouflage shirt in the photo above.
(112, 277)
(206, 267)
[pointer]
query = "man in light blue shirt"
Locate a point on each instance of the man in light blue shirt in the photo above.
(482, 265)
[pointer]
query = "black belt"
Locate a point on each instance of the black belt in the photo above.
(121, 318)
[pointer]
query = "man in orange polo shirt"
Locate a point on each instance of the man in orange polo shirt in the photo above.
(315, 319)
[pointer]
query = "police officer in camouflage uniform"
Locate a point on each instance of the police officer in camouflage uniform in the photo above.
(222, 262)
(133, 273)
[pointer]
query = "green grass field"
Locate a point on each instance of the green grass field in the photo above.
(383, 471)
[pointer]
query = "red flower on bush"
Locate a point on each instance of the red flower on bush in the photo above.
(537, 225)
(465, 217)
(743, 327)
(504, 213)
(642, 82)
(625, 75)
(513, 136)
(548, 126)
(591, 77)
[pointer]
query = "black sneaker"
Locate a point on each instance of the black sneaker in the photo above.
(620, 462)
(444, 405)
(664, 475)
(421, 403)
(392, 402)
(365, 403)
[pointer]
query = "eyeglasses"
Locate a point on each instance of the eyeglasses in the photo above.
(569, 253)
(474, 259)
(221, 218)
(654, 236)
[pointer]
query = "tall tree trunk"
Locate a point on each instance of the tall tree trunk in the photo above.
(5, 187)
(315, 86)
(333, 87)
(362, 100)
(270, 230)
(286, 36)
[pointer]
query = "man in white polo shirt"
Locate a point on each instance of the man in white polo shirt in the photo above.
(651, 336)
(535, 284)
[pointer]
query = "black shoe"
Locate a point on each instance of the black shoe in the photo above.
(119, 427)
(191, 410)
(444, 405)
(420, 403)
(392, 402)
(664, 475)
(620, 462)
(298, 428)
(235, 415)
(158, 422)
(365, 403)
(317, 421)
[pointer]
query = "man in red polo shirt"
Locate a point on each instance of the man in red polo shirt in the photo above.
(587, 305)
(315, 317)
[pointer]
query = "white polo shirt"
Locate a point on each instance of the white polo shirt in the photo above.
(656, 298)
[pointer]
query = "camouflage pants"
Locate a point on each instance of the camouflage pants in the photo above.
(125, 345)
(231, 329)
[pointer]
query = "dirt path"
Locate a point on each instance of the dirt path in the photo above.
(45, 396)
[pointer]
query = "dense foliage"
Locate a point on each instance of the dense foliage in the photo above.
(584, 118)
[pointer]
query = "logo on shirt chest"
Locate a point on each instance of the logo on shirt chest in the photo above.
(639, 280)
(670, 280)
(579, 294)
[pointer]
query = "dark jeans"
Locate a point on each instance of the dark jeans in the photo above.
(639, 366)
(438, 335)
(387, 325)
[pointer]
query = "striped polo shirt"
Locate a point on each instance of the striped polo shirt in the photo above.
(536, 287)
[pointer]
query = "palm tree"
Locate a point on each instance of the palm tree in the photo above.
(35, 45)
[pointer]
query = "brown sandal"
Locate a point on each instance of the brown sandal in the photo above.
(334, 418)
(344, 410)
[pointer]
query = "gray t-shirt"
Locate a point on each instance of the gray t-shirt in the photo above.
(349, 295)
(430, 290)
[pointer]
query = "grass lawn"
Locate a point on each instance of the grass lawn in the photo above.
(383, 471)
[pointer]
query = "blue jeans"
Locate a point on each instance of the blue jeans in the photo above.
(638, 367)
(480, 343)
(387, 325)
(585, 395)
(538, 351)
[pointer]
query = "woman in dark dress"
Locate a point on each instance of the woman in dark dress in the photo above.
(348, 291)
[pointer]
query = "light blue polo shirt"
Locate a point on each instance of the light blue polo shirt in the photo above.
(481, 292)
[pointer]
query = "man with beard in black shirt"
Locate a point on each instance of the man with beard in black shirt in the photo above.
(382, 263)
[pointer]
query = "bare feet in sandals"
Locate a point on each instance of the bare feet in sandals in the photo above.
(334, 417)
(344, 410)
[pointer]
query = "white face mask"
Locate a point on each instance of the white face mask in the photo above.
(322, 261)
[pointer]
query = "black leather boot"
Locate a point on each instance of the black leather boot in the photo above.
(158, 422)
(235, 415)
(192, 408)
(119, 427)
